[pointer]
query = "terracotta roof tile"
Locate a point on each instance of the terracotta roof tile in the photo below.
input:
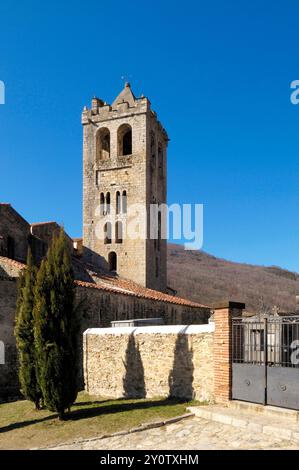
(12, 262)
(131, 288)
(122, 286)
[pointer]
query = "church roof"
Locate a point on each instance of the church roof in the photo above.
(11, 262)
(126, 95)
(126, 287)
(118, 286)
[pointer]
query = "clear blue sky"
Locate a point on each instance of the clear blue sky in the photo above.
(217, 72)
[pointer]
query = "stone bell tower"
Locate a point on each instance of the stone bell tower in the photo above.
(124, 166)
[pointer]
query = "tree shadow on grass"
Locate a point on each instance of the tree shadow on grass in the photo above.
(96, 402)
(120, 408)
(24, 424)
(92, 412)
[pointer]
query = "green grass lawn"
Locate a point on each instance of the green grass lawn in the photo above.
(21, 427)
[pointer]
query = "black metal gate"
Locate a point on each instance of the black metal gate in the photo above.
(265, 360)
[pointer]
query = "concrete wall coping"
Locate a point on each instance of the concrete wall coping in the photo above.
(158, 329)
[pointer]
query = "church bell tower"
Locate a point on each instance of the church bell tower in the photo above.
(124, 166)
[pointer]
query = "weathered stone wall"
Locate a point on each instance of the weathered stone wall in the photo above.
(98, 308)
(45, 231)
(172, 361)
(8, 370)
(14, 233)
(95, 308)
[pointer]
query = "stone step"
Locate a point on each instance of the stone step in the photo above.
(268, 410)
(281, 426)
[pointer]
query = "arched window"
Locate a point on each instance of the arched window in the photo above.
(118, 232)
(103, 144)
(124, 202)
(118, 202)
(102, 204)
(112, 259)
(10, 248)
(107, 233)
(124, 138)
(108, 202)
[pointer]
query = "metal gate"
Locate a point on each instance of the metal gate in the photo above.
(265, 360)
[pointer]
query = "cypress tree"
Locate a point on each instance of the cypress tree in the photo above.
(24, 332)
(56, 328)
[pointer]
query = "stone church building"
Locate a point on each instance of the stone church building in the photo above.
(118, 277)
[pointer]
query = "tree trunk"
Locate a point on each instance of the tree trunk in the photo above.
(61, 415)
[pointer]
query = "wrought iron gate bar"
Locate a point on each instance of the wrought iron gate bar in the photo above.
(248, 341)
(265, 361)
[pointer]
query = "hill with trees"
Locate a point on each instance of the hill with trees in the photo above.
(208, 280)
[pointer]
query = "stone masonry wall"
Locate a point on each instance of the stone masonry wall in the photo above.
(156, 361)
(96, 308)
(15, 228)
(100, 307)
(8, 370)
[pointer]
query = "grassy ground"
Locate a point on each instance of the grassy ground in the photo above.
(21, 427)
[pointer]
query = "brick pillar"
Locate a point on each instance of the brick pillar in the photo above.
(223, 314)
